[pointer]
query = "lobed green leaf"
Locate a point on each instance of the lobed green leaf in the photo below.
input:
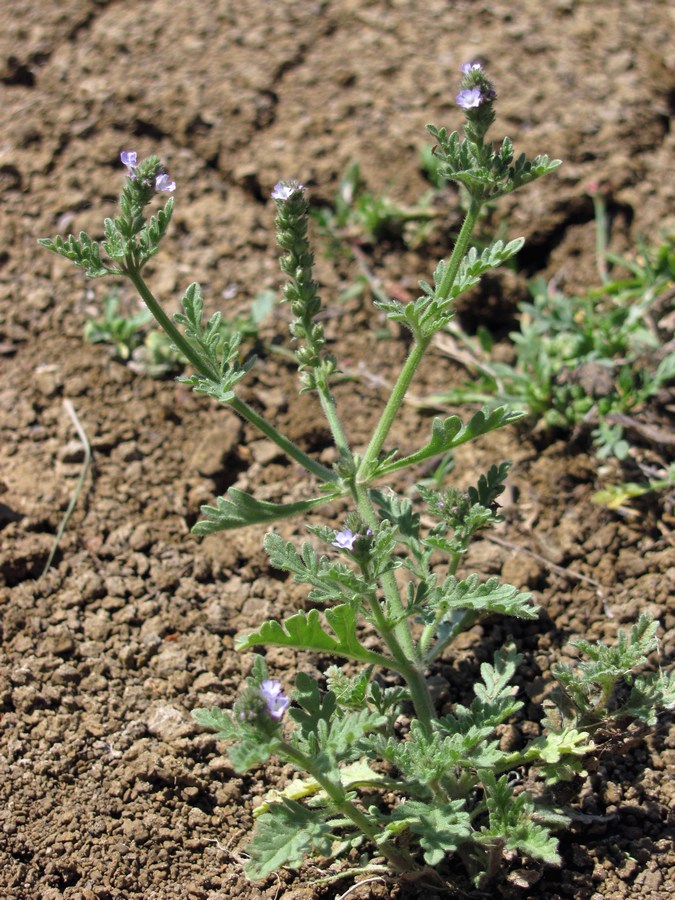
(82, 251)
(446, 434)
(495, 700)
(441, 827)
(284, 836)
(249, 750)
(488, 597)
(331, 580)
(304, 631)
(511, 822)
(238, 509)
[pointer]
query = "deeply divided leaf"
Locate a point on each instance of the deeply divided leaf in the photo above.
(284, 836)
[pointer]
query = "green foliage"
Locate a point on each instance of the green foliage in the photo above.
(356, 214)
(449, 433)
(238, 509)
(304, 631)
(152, 351)
(219, 354)
(491, 174)
(616, 496)
(382, 773)
(490, 596)
(579, 359)
(253, 735)
(351, 693)
(495, 697)
(606, 688)
(441, 828)
(511, 822)
(82, 251)
(559, 755)
(160, 355)
(249, 750)
(458, 509)
(301, 291)
(427, 761)
(330, 580)
(130, 239)
(324, 728)
(449, 777)
(123, 332)
(284, 836)
(450, 794)
(473, 266)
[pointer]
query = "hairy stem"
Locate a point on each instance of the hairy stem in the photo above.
(398, 639)
(399, 859)
(331, 414)
(391, 409)
(239, 406)
(444, 288)
(165, 322)
(420, 346)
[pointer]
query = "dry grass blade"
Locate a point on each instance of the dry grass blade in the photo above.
(78, 487)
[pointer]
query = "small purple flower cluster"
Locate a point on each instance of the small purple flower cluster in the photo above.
(260, 703)
(473, 97)
(470, 98)
(129, 159)
(345, 540)
(284, 190)
(275, 700)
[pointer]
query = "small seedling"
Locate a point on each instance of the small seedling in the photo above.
(356, 215)
(618, 495)
(123, 332)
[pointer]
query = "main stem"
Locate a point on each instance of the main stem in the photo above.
(391, 409)
(399, 639)
(239, 406)
(420, 346)
(459, 250)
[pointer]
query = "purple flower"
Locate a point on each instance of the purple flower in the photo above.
(470, 98)
(162, 183)
(129, 158)
(276, 701)
(283, 190)
(467, 68)
(344, 540)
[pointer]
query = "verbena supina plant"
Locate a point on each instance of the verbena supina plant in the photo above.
(392, 796)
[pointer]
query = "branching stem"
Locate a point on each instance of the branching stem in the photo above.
(399, 859)
(238, 405)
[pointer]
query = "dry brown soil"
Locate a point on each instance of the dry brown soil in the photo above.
(108, 790)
